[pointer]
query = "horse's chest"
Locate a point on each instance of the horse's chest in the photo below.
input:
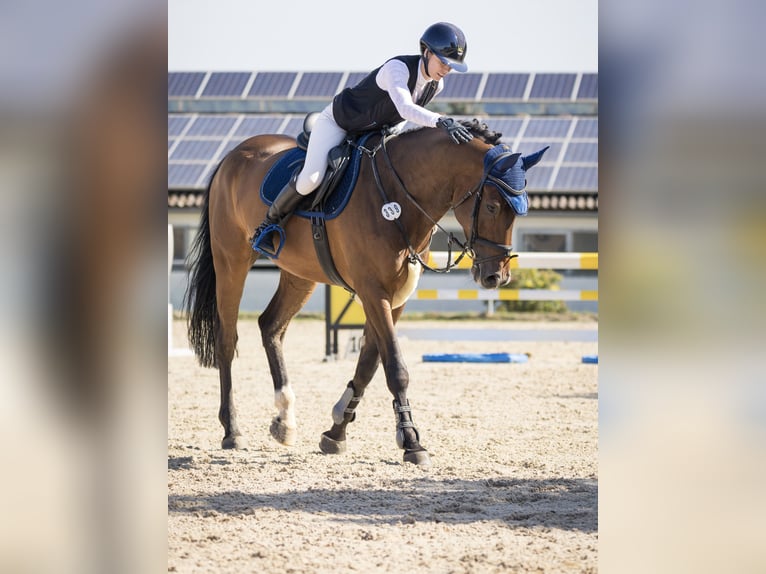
(409, 286)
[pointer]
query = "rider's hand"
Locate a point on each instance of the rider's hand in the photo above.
(456, 130)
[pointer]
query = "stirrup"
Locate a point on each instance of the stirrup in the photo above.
(264, 244)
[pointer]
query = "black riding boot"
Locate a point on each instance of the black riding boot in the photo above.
(279, 212)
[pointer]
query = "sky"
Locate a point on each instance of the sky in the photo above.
(311, 35)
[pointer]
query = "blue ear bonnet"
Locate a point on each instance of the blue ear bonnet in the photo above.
(511, 180)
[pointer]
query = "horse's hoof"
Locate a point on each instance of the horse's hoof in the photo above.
(419, 457)
(330, 446)
(236, 441)
(282, 433)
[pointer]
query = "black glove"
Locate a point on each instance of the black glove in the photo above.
(456, 130)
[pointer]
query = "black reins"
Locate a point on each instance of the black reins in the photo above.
(466, 249)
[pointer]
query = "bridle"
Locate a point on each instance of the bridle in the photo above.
(504, 251)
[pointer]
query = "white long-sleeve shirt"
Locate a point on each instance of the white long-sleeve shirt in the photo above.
(393, 77)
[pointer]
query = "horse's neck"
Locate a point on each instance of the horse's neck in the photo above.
(434, 174)
(440, 169)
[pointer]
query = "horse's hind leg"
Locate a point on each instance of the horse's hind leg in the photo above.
(291, 296)
(333, 441)
(229, 288)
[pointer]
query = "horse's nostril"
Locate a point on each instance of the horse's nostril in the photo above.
(492, 281)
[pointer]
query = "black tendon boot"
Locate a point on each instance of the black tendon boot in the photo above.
(279, 212)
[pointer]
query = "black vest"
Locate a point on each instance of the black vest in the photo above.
(365, 107)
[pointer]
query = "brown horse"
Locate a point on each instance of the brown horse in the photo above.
(380, 258)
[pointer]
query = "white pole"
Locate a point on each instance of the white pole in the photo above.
(172, 351)
(170, 305)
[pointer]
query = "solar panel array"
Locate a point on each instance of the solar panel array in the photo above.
(200, 136)
(197, 142)
(297, 85)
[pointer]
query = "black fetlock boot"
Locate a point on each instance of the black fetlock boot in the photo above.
(278, 214)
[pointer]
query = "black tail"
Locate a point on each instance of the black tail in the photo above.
(200, 299)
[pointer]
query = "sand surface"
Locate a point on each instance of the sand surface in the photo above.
(513, 486)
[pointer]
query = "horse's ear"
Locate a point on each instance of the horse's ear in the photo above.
(507, 163)
(533, 158)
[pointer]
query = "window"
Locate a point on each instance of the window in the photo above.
(183, 235)
(544, 242)
(585, 241)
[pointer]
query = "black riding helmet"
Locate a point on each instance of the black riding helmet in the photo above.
(447, 41)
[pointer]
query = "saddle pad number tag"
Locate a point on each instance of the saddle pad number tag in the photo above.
(391, 211)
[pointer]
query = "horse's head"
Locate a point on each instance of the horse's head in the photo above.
(488, 222)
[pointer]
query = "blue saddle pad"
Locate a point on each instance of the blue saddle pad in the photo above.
(280, 173)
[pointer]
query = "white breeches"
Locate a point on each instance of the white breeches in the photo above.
(325, 135)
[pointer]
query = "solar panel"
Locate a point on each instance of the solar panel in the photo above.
(354, 78)
(184, 83)
(230, 84)
(184, 174)
(578, 152)
(231, 143)
(318, 84)
(207, 173)
(579, 178)
(212, 125)
(198, 141)
(552, 86)
(272, 84)
(294, 126)
(586, 128)
(176, 124)
(509, 127)
(547, 128)
(505, 86)
(588, 87)
(551, 156)
(200, 149)
(255, 125)
(537, 179)
(461, 86)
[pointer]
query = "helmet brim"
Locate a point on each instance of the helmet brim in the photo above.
(454, 64)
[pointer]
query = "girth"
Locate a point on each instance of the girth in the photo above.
(338, 160)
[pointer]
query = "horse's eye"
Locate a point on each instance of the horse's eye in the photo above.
(493, 208)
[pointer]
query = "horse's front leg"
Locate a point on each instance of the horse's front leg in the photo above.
(380, 317)
(333, 441)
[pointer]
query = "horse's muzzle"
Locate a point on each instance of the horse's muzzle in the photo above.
(490, 279)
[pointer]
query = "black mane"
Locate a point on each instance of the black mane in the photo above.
(482, 130)
(477, 128)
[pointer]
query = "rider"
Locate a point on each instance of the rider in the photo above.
(389, 96)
